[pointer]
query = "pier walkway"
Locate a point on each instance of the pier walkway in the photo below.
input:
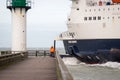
(33, 68)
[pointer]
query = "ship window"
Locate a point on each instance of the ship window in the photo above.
(90, 18)
(85, 18)
(118, 8)
(90, 10)
(99, 9)
(113, 17)
(108, 3)
(104, 9)
(99, 17)
(94, 18)
(113, 9)
(94, 9)
(118, 17)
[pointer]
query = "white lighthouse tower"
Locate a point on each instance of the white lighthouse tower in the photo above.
(18, 9)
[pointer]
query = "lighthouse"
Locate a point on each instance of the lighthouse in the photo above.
(18, 10)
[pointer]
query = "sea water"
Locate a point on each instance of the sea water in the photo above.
(82, 71)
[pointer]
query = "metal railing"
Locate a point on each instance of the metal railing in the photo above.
(38, 52)
(10, 57)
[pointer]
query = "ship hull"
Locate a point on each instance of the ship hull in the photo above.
(94, 50)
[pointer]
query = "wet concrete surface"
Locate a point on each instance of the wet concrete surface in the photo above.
(33, 68)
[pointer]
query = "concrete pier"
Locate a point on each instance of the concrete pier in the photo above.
(29, 66)
(33, 68)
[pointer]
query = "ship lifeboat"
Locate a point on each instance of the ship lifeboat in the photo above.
(116, 1)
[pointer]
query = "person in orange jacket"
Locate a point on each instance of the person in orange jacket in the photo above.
(52, 51)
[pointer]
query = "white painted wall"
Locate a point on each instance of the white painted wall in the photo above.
(19, 29)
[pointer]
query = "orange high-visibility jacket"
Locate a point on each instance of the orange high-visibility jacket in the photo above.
(52, 49)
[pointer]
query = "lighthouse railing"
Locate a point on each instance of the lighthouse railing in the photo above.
(9, 3)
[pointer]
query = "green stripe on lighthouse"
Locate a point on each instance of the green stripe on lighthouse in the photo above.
(18, 3)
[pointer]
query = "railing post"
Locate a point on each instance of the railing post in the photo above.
(44, 53)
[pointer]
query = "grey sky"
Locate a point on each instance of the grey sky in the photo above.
(45, 20)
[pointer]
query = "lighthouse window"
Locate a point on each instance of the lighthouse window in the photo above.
(99, 17)
(69, 19)
(76, 2)
(85, 18)
(77, 8)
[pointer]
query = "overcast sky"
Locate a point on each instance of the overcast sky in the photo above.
(45, 20)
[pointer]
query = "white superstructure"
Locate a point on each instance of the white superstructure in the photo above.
(93, 19)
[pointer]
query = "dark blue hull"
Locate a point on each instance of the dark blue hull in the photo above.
(94, 50)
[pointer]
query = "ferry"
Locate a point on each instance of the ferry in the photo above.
(93, 34)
